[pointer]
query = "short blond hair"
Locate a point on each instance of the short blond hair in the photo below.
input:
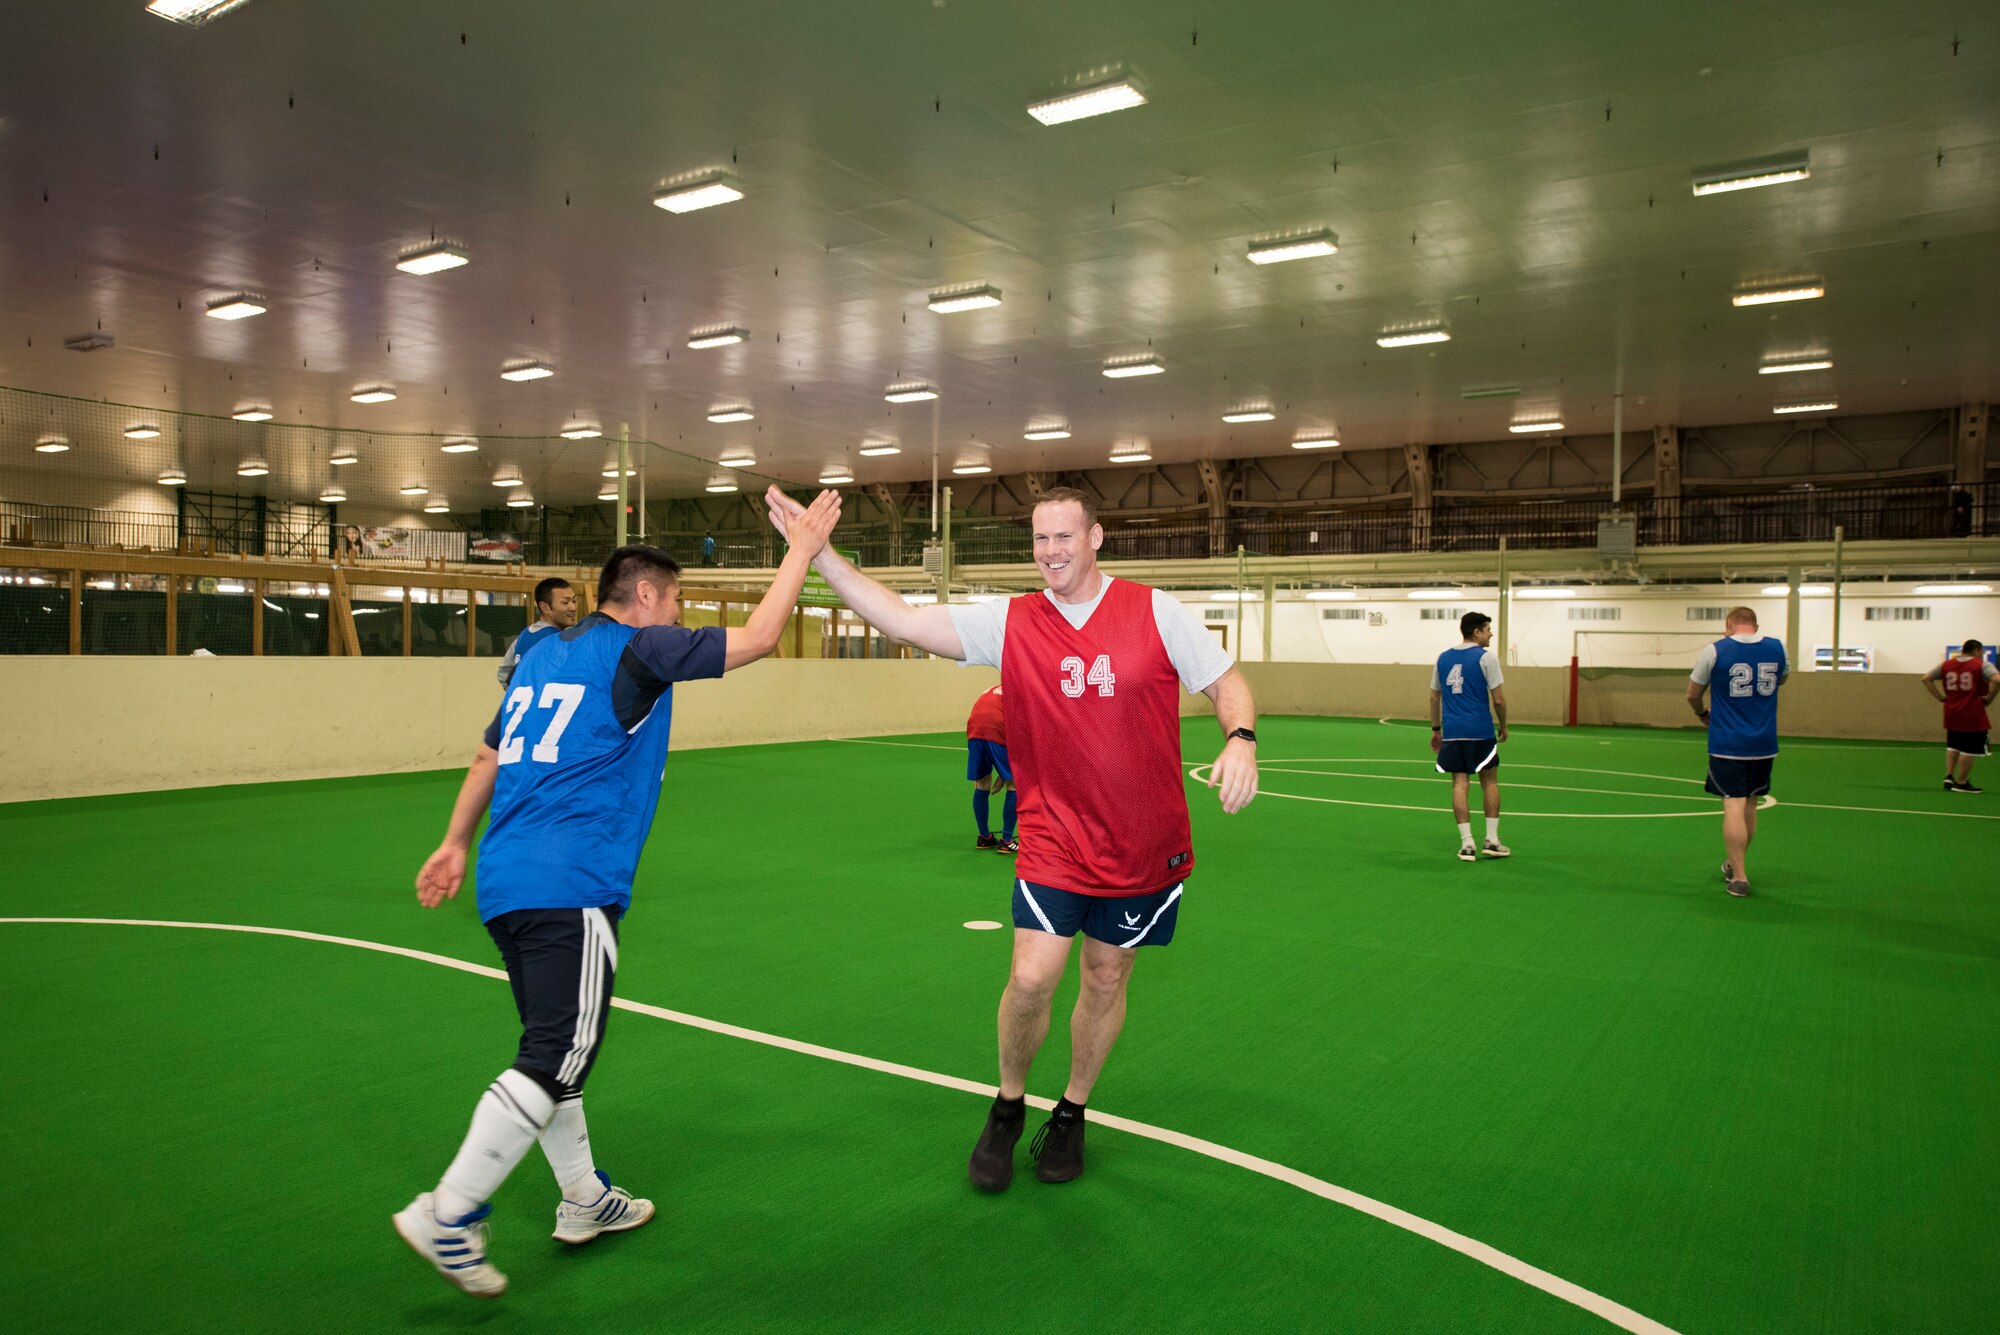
(1740, 616)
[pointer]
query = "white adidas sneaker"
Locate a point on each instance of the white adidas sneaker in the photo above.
(457, 1250)
(1495, 849)
(613, 1212)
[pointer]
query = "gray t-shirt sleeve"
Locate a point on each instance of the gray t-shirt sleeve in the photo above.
(1436, 685)
(1937, 673)
(982, 631)
(1704, 665)
(1489, 664)
(1198, 656)
(1991, 672)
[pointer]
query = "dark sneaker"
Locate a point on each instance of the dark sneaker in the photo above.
(1967, 788)
(1728, 873)
(1467, 853)
(992, 1164)
(988, 841)
(1009, 845)
(1741, 889)
(1950, 784)
(1058, 1150)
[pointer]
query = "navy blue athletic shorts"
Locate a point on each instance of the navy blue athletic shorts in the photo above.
(1966, 743)
(1738, 778)
(1134, 920)
(983, 757)
(1463, 757)
(560, 963)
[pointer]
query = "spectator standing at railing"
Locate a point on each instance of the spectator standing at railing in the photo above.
(707, 548)
(1961, 513)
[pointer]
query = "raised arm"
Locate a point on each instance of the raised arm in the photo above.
(807, 533)
(928, 628)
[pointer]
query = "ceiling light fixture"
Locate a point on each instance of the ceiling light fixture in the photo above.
(1051, 428)
(967, 297)
(373, 394)
(1124, 368)
(332, 496)
(526, 371)
(1766, 296)
(909, 391)
(520, 501)
(1949, 589)
(1435, 594)
(1491, 392)
(1096, 100)
(1805, 590)
(721, 485)
(193, 13)
(1332, 596)
(724, 414)
(253, 468)
(1250, 413)
(143, 431)
(611, 470)
(1798, 364)
(718, 336)
(343, 456)
(877, 449)
(460, 445)
(608, 494)
(437, 505)
(414, 489)
(51, 444)
(508, 478)
(739, 461)
(1404, 338)
(1132, 452)
(1750, 173)
(174, 477)
(433, 258)
(1316, 440)
(699, 190)
(1308, 246)
(252, 412)
(835, 477)
(239, 307)
(970, 470)
(1530, 428)
(1820, 406)
(580, 431)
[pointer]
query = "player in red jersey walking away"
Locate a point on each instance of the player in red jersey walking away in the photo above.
(1091, 667)
(1969, 684)
(991, 772)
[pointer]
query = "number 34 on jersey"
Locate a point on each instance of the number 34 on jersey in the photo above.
(1076, 680)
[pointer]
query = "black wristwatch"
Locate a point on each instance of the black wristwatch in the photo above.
(1244, 733)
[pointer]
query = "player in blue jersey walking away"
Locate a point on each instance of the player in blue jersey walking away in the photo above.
(1468, 723)
(555, 610)
(1742, 674)
(572, 765)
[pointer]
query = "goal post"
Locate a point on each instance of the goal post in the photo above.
(1633, 678)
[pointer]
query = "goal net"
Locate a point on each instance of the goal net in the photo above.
(1629, 678)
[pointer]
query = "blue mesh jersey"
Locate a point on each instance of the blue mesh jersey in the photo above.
(1742, 674)
(582, 737)
(1464, 677)
(526, 640)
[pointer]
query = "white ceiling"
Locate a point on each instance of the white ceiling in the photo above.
(1520, 170)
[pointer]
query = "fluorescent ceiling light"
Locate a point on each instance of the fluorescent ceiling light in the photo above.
(252, 412)
(373, 394)
(1403, 338)
(141, 432)
(174, 477)
(911, 391)
(460, 445)
(1805, 590)
(520, 502)
(1435, 594)
(1765, 296)
(433, 258)
(1800, 364)
(343, 456)
(51, 444)
(1529, 428)
(1316, 440)
(1332, 596)
(1491, 392)
(608, 494)
(739, 461)
(1322, 242)
(1134, 454)
(253, 468)
(718, 337)
(1751, 173)
(239, 307)
(580, 431)
(876, 449)
(415, 489)
(1954, 588)
(951, 300)
(721, 485)
(332, 496)
(437, 505)
(1250, 413)
(1822, 406)
(1096, 100)
(1544, 592)
(731, 412)
(1123, 368)
(701, 191)
(611, 470)
(507, 480)
(970, 470)
(1049, 428)
(193, 13)
(526, 371)
(835, 478)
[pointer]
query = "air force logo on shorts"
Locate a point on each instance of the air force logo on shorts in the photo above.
(1126, 922)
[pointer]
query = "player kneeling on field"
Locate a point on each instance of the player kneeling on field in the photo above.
(1468, 723)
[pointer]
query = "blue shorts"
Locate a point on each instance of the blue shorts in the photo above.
(1463, 757)
(983, 757)
(1728, 777)
(1135, 920)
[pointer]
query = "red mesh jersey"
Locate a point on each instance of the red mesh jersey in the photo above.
(1094, 717)
(1964, 695)
(987, 722)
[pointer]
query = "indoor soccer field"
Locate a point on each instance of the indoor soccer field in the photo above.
(1369, 1087)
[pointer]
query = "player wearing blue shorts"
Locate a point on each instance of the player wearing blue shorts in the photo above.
(572, 765)
(990, 770)
(1742, 673)
(1468, 723)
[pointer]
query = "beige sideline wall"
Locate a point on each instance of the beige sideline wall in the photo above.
(79, 726)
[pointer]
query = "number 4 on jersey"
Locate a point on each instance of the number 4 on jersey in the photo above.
(1075, 678)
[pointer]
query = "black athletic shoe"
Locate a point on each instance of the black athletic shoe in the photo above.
(1009, 845)
(1967, 788)
(988, 842)
(1740, 889)
(1950, 784)
(1058, 1150)
(992, 1164)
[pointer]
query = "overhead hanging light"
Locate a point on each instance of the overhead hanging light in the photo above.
(252, 412)
(1818, 406)
(1770, 295)
(414, 489)
(909, 391)
(607, 494)
(460, 445)
(437, 505)
(1411, 336)
(1435, 594)
(433, 258)
(193, 13)
(239, 307)
(142, 431)
(373, 394)
(1096, 100)
(1473, 392)
(520, 501)
(580, 431)
(1331, 595)
(721, 485)
(1750, 173)
(174, 477)
(1785, 366)
(507, 478)
(1250, 412)
(967, 297)
(723, 414)
(1950, 589)
(1132, 452)
(1315, 440)
(332, 496)
(739, 461)
(1047, 428)
(1531, 428)
(343, 456)
(877, 449)
(611, 470)
(526, 371)
(1124, 368)
(51, 444)
(1308, 246)
(719, 336)
(1805, 590)
(970, 470)
(698, 190)
(835, 477)
(253, 468)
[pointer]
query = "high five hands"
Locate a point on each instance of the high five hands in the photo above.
(804, 527)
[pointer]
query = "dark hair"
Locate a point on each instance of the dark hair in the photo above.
(1471, 622)
(624, 568)
(1971, 647)
(545, 592)
(1056, 495)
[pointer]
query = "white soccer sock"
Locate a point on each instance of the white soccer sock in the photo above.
(1465, 832)
(1492, 829)
(566, 1142)
(510, 1115)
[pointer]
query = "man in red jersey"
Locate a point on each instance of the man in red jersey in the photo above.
(991, 772)
(1969, 684)
(1091, 667)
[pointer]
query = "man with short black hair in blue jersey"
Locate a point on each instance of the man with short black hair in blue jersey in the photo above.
(572, 765)
(555, 610)
(1468, 723)
(1743, 673)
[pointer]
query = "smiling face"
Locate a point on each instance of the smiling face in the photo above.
(560, 609)
(1066, 550)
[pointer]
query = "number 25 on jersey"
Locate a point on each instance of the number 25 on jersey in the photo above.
(563, 697)
(1075, 679)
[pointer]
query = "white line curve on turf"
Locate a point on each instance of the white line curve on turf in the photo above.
(1198, 773)
(1596, 1304)
(1563, 734)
